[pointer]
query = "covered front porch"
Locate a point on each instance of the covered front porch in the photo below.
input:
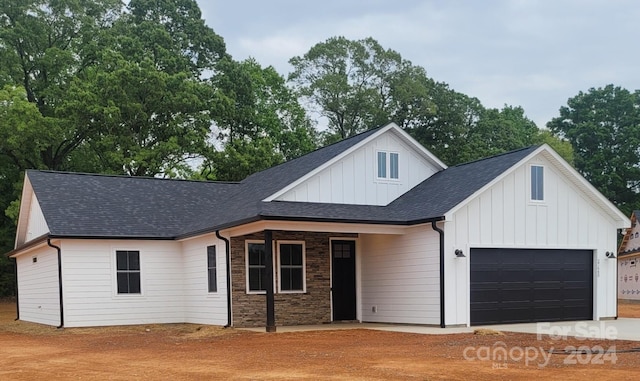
(312, 273)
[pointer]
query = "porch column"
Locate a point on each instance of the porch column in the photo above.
(268, 254)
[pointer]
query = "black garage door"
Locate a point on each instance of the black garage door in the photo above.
(518, 285)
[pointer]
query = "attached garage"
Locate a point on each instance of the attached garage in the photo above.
(526, 285)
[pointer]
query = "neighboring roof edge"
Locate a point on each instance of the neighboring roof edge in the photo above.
(391, 126)
(635, 216)
(629, 254)
(576, 177)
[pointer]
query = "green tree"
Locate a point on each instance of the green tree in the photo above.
(259, 119)
(43, 45)
(445, 130)
(358, 85)
(603, 126)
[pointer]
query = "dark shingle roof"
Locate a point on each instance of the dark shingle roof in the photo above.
(89, 205)
(429, 200)
(115, 206)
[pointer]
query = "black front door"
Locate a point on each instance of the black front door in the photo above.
(343, 281)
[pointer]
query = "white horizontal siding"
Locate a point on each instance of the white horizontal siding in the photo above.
(400, 277)
(201, 306)
(90, 288)
(38, 296)
(504, 216)
(353, 180)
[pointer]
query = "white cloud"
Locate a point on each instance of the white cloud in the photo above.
(535, 54)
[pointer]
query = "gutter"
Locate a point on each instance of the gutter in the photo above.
(228, 262)
(441, 233)
(15, 270)
(59, 281)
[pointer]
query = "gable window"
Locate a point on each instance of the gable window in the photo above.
(128, 271)
(256, 268)
(211, 269)
(537, 183)
(291, 262)
(388, 165)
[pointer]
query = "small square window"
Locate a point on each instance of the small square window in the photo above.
(537, 183)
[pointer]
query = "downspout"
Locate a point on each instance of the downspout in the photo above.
(228, 261)
(15, 270)
(59, 280)
(441, 233)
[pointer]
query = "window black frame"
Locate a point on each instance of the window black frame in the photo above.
(212, 275)
(254, 269)
(289, 267)
(128, 274)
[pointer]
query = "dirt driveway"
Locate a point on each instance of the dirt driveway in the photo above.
(186, 351)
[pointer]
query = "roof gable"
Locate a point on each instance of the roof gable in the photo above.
(567, 171)
(631, 242)
(356, 143)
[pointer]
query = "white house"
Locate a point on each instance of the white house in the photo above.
(629, 261)
(373, 228)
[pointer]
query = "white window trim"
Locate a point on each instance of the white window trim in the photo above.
(114, 267)
(544, 184)
(246, 265)
(304, 267)
(211, 293)
(388, 168)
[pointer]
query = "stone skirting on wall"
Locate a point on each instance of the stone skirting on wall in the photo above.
(311, 307)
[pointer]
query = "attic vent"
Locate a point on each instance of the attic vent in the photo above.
(34, 259)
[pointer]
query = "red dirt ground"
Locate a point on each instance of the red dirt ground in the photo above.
(186, 351)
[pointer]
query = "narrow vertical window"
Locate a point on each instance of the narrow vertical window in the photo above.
(393, 165)
(291, 266)
(211, 269)
(256, 268)
(128, 271)
(382, 165)
(537, 183)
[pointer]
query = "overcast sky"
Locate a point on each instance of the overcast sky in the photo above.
(535, 54)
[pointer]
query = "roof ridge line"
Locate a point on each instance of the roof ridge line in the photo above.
(498, 155)
(130, 177)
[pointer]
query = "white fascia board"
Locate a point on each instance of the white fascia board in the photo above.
(391, 126)
(309, 226)
(433, 159)
(23, 216)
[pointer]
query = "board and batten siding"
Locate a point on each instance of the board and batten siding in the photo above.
(353, 179)
(202, 307)
(38, 298)
(504, 216)
(90, 287)
(36, 224)
(400, 277)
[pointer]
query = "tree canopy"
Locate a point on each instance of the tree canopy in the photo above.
(603, 126)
